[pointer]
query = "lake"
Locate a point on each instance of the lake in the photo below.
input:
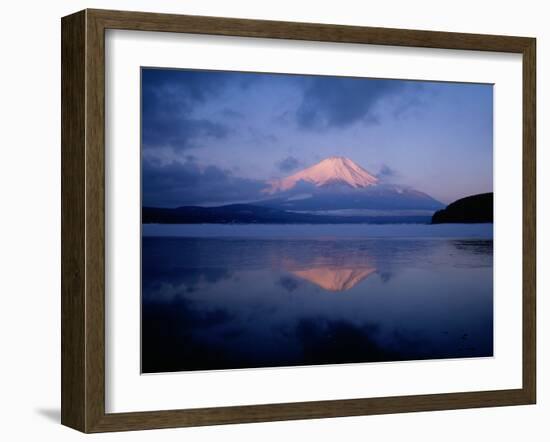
(245, 296)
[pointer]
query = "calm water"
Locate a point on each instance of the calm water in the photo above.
(222, 297)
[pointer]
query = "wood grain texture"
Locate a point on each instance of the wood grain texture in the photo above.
(308, 410)
(529, 220)
(83, 220)
(145, 21)
(95, 222)
(73, 257)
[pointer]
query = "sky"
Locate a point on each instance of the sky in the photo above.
(216, 137)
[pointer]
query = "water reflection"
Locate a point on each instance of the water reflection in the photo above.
(241, 303)
(336, 271)
(335, 279)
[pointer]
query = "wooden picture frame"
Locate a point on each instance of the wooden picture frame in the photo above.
(83, 220)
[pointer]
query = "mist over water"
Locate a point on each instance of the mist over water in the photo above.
(259, 301)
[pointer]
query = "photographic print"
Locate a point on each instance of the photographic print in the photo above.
(298, 220)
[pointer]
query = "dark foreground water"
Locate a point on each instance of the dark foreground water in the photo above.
(242, 302)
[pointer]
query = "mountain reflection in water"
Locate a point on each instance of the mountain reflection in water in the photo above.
(241, 303)
(334, 279)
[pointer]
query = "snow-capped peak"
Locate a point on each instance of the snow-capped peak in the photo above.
(332, 170)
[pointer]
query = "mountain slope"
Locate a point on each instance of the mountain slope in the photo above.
(380, 197)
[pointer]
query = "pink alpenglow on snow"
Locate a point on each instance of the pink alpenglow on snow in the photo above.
(332, 170)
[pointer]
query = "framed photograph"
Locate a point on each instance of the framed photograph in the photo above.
(268, 220)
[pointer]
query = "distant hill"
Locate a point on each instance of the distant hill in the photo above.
(248, 213)
(472, 209)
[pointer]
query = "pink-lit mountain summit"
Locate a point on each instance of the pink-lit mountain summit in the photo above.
(330, 171)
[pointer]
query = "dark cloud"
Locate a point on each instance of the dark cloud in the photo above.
(387, 172)
(178, 184)
(169, 97)
(232, 113)
(340, 102)
(289, 164)
(179, 132)
(261, 137)
(412, 103)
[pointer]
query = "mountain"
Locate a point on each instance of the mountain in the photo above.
(338, 183)
(248, 213)
(330, 171)
(334, 191)
(472, 209)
